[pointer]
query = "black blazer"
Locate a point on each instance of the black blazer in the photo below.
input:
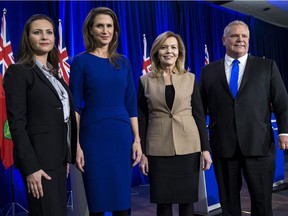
(36, 120)
(247, 119)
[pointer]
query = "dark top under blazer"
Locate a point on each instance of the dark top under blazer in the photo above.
(247, 119)
(36, 121)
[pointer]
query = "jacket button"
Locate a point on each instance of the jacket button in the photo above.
(170, 115)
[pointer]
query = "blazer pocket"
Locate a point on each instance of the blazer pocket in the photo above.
(189, 124)
(37, 129)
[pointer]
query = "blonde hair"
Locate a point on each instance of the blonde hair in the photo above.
(180, 63)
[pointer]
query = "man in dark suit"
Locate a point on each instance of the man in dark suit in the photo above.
(241, 135)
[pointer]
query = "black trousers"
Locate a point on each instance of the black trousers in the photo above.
(184, 209)
(258, 173)
(54, 201)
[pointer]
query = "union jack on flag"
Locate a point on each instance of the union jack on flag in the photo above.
(6, 58)
(206, 60)
(63, 55)
(6, 52)
(146, 67)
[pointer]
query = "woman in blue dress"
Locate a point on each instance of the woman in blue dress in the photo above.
(103, 89)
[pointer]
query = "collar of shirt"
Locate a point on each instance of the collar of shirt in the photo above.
(43, 68)
(228, 66)
(228, 60)
(62, 93)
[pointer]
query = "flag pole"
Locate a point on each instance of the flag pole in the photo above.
(146, 67)
(13, 204)
(63, 73)
(145, 46)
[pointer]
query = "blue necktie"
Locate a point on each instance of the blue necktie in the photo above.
(234, 78)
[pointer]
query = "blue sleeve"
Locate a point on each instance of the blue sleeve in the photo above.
(130, 97)
(76, 83)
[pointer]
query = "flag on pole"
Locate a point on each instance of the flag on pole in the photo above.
(63, 55)
(6, 58)
(206, 60)
(146, 67)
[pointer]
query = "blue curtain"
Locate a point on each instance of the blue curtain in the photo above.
(271, 42)
(198, 23)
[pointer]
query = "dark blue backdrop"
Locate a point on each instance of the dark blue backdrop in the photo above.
(197, 22)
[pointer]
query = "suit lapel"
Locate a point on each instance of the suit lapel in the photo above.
(44, 79)
(247, 74)
(176, 80)
(64, 84)
(223, 77)
(162, 88)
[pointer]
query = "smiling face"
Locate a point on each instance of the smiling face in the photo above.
(41, 37)
(236, 41)
(168, 52)
(103, 29)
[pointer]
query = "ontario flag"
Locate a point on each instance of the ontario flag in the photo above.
(63, 55)
(6, 58)
(206, 59)
(146, 68)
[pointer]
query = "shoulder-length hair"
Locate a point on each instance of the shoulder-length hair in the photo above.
(89, 41)
(180, 63)
(25, 52)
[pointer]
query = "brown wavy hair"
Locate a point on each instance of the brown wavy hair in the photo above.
(89, 41)
(25, 53)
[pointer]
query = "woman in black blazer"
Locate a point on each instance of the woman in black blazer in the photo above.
(41, 118)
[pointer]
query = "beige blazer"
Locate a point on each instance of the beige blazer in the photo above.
(172, 131)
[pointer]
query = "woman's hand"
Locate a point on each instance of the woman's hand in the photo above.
(80, 158)
(206, 160)
(136, 152)
(34, 183)
(144, 165)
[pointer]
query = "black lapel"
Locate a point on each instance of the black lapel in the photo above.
(247, 72)
(44, 79)
(65, 85)
(222, 75)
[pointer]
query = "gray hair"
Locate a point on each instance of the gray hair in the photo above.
(235, 22)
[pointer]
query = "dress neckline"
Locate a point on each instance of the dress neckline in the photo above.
(97, 56)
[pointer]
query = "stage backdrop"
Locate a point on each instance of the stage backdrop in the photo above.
(197, 22)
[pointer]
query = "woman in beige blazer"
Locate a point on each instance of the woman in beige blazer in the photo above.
(172, 128)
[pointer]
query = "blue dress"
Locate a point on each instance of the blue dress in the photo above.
(105, 98)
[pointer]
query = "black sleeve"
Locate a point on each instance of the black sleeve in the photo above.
(199, 116)
(143, 115)
(16, 83)
(202, 92)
